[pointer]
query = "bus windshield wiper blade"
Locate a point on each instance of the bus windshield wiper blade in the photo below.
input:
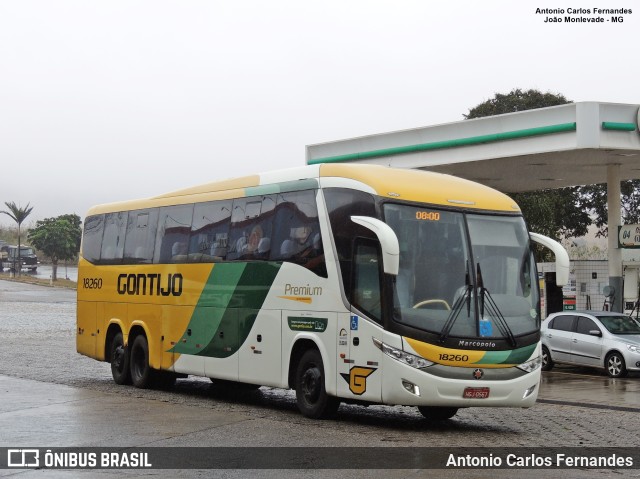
(457, 307)
(492, 309)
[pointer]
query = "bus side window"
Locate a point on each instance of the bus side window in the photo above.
(366, 279)
(209, 239)
(296, 232)
(251, 225)
(141, 236)
(92, 238)
(115, 227)
(341, 205)
(174, 227)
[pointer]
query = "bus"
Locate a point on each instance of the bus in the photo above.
(347, 283)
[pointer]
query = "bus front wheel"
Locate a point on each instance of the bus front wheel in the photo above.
(438, 413)
(312, 398)
(119, 357)
(141, 373)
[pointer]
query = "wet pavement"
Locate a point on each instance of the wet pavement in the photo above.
(52, 397)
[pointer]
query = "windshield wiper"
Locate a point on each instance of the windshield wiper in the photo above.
(457, 306)
(493, 309)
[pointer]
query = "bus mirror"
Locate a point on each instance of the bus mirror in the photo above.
(388, 242)
(562, 257)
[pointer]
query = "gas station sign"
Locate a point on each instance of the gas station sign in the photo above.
(629, 236)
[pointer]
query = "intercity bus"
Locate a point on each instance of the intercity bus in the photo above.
(347, 283)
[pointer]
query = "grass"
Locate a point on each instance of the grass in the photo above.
(60, 283)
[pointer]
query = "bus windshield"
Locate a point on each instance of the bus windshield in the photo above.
(464, 275)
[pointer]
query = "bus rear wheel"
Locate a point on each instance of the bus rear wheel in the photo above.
(312, 398)
(119, 357)
(141, 372)
(438, 413)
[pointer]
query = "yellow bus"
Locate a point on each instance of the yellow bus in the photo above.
(347, 283)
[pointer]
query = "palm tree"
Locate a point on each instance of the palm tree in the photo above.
(18, 215)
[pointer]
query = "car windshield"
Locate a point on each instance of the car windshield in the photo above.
(620, 324)
(454, 264)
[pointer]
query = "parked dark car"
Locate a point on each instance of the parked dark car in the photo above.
(28, 258)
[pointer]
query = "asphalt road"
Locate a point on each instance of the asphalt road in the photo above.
(52, 397)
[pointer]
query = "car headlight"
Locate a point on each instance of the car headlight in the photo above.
(531, 365)
(633, 348)
(402, 356)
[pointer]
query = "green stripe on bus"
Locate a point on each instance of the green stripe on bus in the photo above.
(227, 308)
(284, 187)
(515, 356)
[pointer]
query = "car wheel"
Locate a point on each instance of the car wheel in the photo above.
(547, 362)
(312, 398)
(436, 413)
(119, 360)
(615, 366)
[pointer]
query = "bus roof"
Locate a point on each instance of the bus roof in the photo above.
(400, 184)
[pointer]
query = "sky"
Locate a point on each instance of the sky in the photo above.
(109, 100)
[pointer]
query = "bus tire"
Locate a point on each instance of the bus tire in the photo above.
(438, 413)
(119, 357)
(312, 398)
(141, 372)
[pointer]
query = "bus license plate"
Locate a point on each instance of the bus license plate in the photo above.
(475, 393)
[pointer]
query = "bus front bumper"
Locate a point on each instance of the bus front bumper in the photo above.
(404, 385)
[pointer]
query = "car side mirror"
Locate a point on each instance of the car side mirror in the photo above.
(595, 332)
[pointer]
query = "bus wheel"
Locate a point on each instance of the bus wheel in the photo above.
(312, 398)
(141, 373)
(119, 361)
(437, 413)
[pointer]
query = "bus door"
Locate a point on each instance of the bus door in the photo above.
(360, 369)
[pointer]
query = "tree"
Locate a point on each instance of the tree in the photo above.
(58, 238)
(17, 214)
(515, 100)
(595, 198)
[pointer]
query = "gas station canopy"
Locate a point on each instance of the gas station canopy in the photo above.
(575, 144)
(538, 149)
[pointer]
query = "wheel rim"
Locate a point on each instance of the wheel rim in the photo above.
(311, 384)
(545, 358)
(615, 366)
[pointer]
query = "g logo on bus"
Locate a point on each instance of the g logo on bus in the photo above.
(357, 379)
(478, 373)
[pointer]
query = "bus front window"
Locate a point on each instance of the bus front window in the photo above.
(443, 276)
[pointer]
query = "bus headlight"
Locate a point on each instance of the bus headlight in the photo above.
(402, 356)
(531, 365)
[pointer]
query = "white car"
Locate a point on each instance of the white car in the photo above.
(599, 339)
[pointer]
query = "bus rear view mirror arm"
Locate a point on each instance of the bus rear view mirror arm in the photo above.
(388, 242)
(562, 257)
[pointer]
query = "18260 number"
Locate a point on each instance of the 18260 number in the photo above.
(92, 283)
(454, 357)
